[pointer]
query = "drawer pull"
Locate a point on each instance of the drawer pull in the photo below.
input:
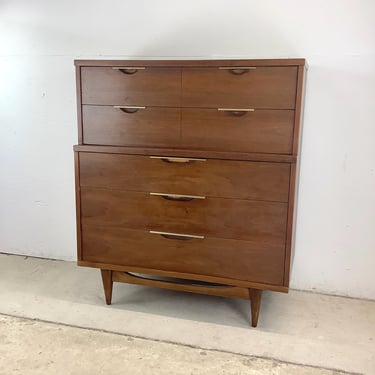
(237, 70)
(177, 236)
(236, 111)
(129, 69)
(176, 160)
(128, 109)
(178, 197)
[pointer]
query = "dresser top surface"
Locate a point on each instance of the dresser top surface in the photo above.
(192, 63)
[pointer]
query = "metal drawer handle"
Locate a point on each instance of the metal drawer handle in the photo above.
(176, 160)
(129, 69)
(178, 197)
(236, 111)
(237, 70)
(128, 108)
(177, 236)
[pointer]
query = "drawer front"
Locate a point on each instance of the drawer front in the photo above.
(248, 220)
(150, 126)
(214, 178)
(241, 260)
(148, 87)
(262, 87)
(267, 131)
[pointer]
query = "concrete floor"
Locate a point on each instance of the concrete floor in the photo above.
(299, 327)
(33, 347)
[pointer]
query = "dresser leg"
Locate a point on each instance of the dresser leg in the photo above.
(107, 285)
(255, 297)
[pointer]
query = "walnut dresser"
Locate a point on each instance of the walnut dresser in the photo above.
(186, 173)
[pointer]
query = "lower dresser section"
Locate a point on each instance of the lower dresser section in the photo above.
(206, 220)
(224, 258)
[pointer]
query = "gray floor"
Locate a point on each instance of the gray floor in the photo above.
(37, 348)
(299, 327)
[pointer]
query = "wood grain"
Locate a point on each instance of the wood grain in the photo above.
(149, 87)
(223, 291)
(234, 259)
(213, 279)
(299, 109)
(264, 87)
(213, 178)
(249, 178)
(79, 104)
(178, 152)
(255, 298)
(194, 63)
(152, 126)
(107, 285)
(256, 221)
(290, 225)
(294, 177)
(268, 131)
(78, 204)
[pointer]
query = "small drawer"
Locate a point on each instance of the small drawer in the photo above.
(140, 87)
(213, 217)
(252, 87)
(130, 126)
(240, 260)
(213, 178)
(265, 131)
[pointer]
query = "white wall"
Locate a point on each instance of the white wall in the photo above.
(39, 40)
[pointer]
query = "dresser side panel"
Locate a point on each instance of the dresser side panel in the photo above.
(299, 109)
(78, 205)
(294, 178)
(79, 104)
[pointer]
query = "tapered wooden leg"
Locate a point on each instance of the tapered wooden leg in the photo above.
(255, 297)
(107, 285)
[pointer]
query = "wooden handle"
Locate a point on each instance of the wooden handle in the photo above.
(237, 70)
(129, 69)
(178, 197)
(236, 111)
(177, 236)
(128, 108)
(166, 159)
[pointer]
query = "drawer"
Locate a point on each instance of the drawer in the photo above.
(145, 87)
(150, 126)
(214, 178)
(266, 131)
(241, 260)
(213, 217)
(260, 87)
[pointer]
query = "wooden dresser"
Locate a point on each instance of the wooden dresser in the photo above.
(186, 173)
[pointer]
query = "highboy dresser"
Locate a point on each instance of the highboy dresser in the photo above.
(186, 173)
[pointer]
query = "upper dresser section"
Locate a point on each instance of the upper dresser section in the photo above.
(246, 106)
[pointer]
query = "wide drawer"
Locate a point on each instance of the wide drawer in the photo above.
(256, 87)
(240, 260)
(214, 178)
(267, 131)
(149, 126)
(144, 87)
(214, 217)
